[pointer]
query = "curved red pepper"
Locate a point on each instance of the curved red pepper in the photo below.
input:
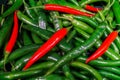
(104, 46)
(14, 35)
(65, 9)
(47, 46)
(91, 8)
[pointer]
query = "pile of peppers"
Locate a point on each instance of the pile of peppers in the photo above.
(59, 40)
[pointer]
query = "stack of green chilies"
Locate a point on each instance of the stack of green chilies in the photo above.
(59, 40)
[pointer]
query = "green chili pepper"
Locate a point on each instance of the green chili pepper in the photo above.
(88, 68)
(109, 75)
(26, 38)
(5, 29)
(80, 49)
(26, 19)
(36, 38)
(18, 75)
(115, 70)
(116, 10)
(67, 72)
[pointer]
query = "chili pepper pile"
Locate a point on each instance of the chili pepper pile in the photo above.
(59, 40)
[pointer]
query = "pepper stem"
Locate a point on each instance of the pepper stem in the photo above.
(6, 54)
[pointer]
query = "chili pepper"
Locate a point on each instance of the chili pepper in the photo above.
(26, 38)
(80, 76)
(43, 65)
(113, 45)
(79, 50)
(14, 35)
(18, 74)
(88, 68)
(10, 45)
(100, 63)
(109, 75)
(82, 26)
(71, 35)
(14, 7)
(65, 9)
(56, 21)
(104, 46)
(87, 20)
(91, 8)
(46, 47)
(5, 29)
(114, 70)
(66, 23)
(36, 38)
(67, 72)
(26, 19)
(116, 10)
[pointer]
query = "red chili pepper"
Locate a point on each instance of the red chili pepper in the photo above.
(104, 46)
(91, 8)
(65, 9)
(14, 35)
(47, 46)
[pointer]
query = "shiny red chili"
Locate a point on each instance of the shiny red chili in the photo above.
(65, 9)
(13, 38)
(91, 8)
(104, 46)
(47, 46)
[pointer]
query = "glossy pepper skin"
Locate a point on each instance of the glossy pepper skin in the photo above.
(104, 46)
(52, 41)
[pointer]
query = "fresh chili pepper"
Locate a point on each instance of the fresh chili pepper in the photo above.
(109, 75)
(14, 35)
(67, 72)
(79, 50)
(116, 10)
(88, 68)
(26, 38)
(46, 46)
(65, 9)
(5, 29)
(26, 19)
(18, 74)
(10, 45)
(115, 70)
(36, 38)
(91, 8)
(104, 46)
